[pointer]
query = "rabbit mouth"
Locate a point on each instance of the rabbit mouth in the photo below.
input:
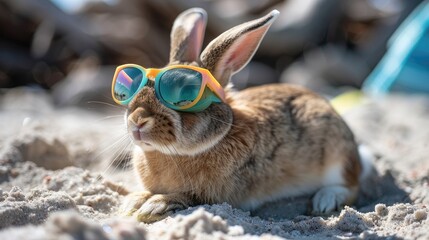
(137, 135)
(141, 137)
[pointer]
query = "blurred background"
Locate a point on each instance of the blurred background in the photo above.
(70, 49)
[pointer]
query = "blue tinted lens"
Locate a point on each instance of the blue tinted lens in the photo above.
(127, 83)
(180, 86)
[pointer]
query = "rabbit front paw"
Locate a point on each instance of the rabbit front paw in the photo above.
(147, 207)
(330, 198)
(133, 202)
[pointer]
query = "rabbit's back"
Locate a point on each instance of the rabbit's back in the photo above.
(299, 143)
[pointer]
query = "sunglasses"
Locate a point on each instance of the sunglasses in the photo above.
(179, 87)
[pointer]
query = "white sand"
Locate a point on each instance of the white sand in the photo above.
(56, 182)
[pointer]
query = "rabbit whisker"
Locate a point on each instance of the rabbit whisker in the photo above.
(109, 117)
(121, 150)
(106, 104)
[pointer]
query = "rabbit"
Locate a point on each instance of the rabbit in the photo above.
(262, 144)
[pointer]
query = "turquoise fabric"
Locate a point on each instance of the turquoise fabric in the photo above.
(405, 66)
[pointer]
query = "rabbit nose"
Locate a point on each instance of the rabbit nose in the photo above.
(139, 122)
(136, 129)
(139, 117)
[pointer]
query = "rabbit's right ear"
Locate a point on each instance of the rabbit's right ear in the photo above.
(187, 36)
(233, 49)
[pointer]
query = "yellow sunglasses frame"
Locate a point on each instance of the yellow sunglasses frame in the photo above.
(153, 74)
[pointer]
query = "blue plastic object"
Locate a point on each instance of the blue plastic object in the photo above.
(405, 66)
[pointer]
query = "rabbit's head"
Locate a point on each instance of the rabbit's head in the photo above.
(157, 127)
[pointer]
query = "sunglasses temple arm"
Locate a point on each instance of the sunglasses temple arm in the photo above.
(219, 95)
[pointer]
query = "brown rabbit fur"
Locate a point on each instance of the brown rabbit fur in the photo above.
(262, 144)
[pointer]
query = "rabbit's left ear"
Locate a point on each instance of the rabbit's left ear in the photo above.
(187, 35)
(233, 49)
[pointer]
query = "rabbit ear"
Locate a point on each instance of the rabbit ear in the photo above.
(233, 49)
(187, 35)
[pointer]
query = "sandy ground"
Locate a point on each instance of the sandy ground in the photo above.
(63, 173)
